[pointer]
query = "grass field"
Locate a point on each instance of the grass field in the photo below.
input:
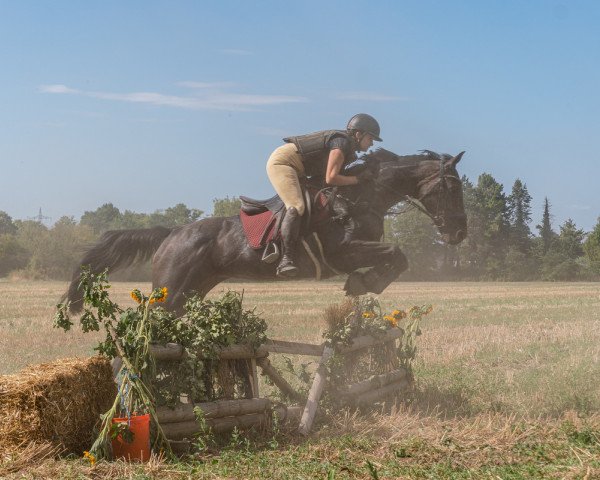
(507, 384)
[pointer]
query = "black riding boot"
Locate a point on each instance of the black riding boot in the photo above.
(290, 228)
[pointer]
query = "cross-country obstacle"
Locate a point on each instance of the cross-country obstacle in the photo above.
(223, 415)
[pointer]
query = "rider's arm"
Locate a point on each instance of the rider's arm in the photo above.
(334, 165)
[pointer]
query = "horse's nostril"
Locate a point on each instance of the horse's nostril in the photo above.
(460, 235)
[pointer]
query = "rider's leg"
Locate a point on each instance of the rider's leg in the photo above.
(284, 168)
(290, 228)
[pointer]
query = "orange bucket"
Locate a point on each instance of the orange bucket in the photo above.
(139, 448)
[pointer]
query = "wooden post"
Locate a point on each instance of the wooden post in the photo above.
(278, 380)
(254, 378)
(315, 393)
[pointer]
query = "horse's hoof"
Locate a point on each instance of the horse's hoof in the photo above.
(354, 285)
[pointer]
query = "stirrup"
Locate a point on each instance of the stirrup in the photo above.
(271, 253)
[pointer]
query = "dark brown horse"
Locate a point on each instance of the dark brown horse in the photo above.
(196, 257)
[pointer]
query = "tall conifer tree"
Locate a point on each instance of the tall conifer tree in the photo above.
(545, 228)
(519, 211)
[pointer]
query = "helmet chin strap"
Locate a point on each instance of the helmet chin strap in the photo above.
(358, 136)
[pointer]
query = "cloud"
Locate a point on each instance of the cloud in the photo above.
(368, 97)
(202, 85)
(56, 89)
(235, 51)
(201, 101)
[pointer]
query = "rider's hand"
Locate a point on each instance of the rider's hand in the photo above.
(365, 176)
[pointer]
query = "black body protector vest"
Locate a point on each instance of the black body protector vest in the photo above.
(314, 149)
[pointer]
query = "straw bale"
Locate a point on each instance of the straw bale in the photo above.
(58, 403)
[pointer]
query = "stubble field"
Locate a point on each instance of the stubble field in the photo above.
(507, 383)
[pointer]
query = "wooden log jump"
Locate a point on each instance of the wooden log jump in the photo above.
(224, 415)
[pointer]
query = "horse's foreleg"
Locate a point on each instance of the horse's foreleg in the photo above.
(387, 262)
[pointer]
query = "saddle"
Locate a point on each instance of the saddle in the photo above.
(261, 219)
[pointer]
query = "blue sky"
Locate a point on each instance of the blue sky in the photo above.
(147, 104)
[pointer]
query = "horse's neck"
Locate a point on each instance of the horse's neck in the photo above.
(399, 181)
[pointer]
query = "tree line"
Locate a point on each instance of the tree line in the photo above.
(501, 245)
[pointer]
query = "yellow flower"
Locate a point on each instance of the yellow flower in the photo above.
(368, 315)
(429, 309)
(136, 295)
(159, 295)
(392, 319)
(90, 457)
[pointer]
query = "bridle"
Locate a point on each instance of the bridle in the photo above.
(439, 217)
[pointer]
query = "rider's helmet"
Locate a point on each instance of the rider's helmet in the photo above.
(364, 123)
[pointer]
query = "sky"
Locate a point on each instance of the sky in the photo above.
(147, 104)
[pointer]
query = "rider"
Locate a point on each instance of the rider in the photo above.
(322, 153)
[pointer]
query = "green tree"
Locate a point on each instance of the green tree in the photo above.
(570, 240)
(561, 261)
(180, 214)
(6, 224)
(519, 214)
(545, 228)
(133, 220)
(226, 207)
(33, 237)
(13, 255)
(487, 214)
(591, 247)
(105, 217)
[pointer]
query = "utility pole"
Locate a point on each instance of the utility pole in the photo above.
(39, 217)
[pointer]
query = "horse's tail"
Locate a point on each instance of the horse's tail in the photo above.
(115, 250)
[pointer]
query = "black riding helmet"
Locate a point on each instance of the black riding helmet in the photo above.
(365, 123)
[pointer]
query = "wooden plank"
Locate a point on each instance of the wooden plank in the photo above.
(314, 395)
(293, 348)
(368, 398)
(374, 382)
(216, 409)
(368, 341)
(168, 352)
(174, 351)
(281, 383)
(187, 429)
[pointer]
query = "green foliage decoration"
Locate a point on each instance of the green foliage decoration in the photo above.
(364, 316)
(204, 328)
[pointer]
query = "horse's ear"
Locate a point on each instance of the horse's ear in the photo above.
(454, 160)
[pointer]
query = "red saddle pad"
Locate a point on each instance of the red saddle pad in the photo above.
(259, 228)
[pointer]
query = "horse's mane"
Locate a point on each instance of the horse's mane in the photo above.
(381, 155)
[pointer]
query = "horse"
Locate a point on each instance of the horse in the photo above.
(194, 258)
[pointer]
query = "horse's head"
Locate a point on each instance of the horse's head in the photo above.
(440, 192)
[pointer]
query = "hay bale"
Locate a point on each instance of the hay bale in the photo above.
(57, 403)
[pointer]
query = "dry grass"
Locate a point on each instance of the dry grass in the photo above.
(506, 373)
